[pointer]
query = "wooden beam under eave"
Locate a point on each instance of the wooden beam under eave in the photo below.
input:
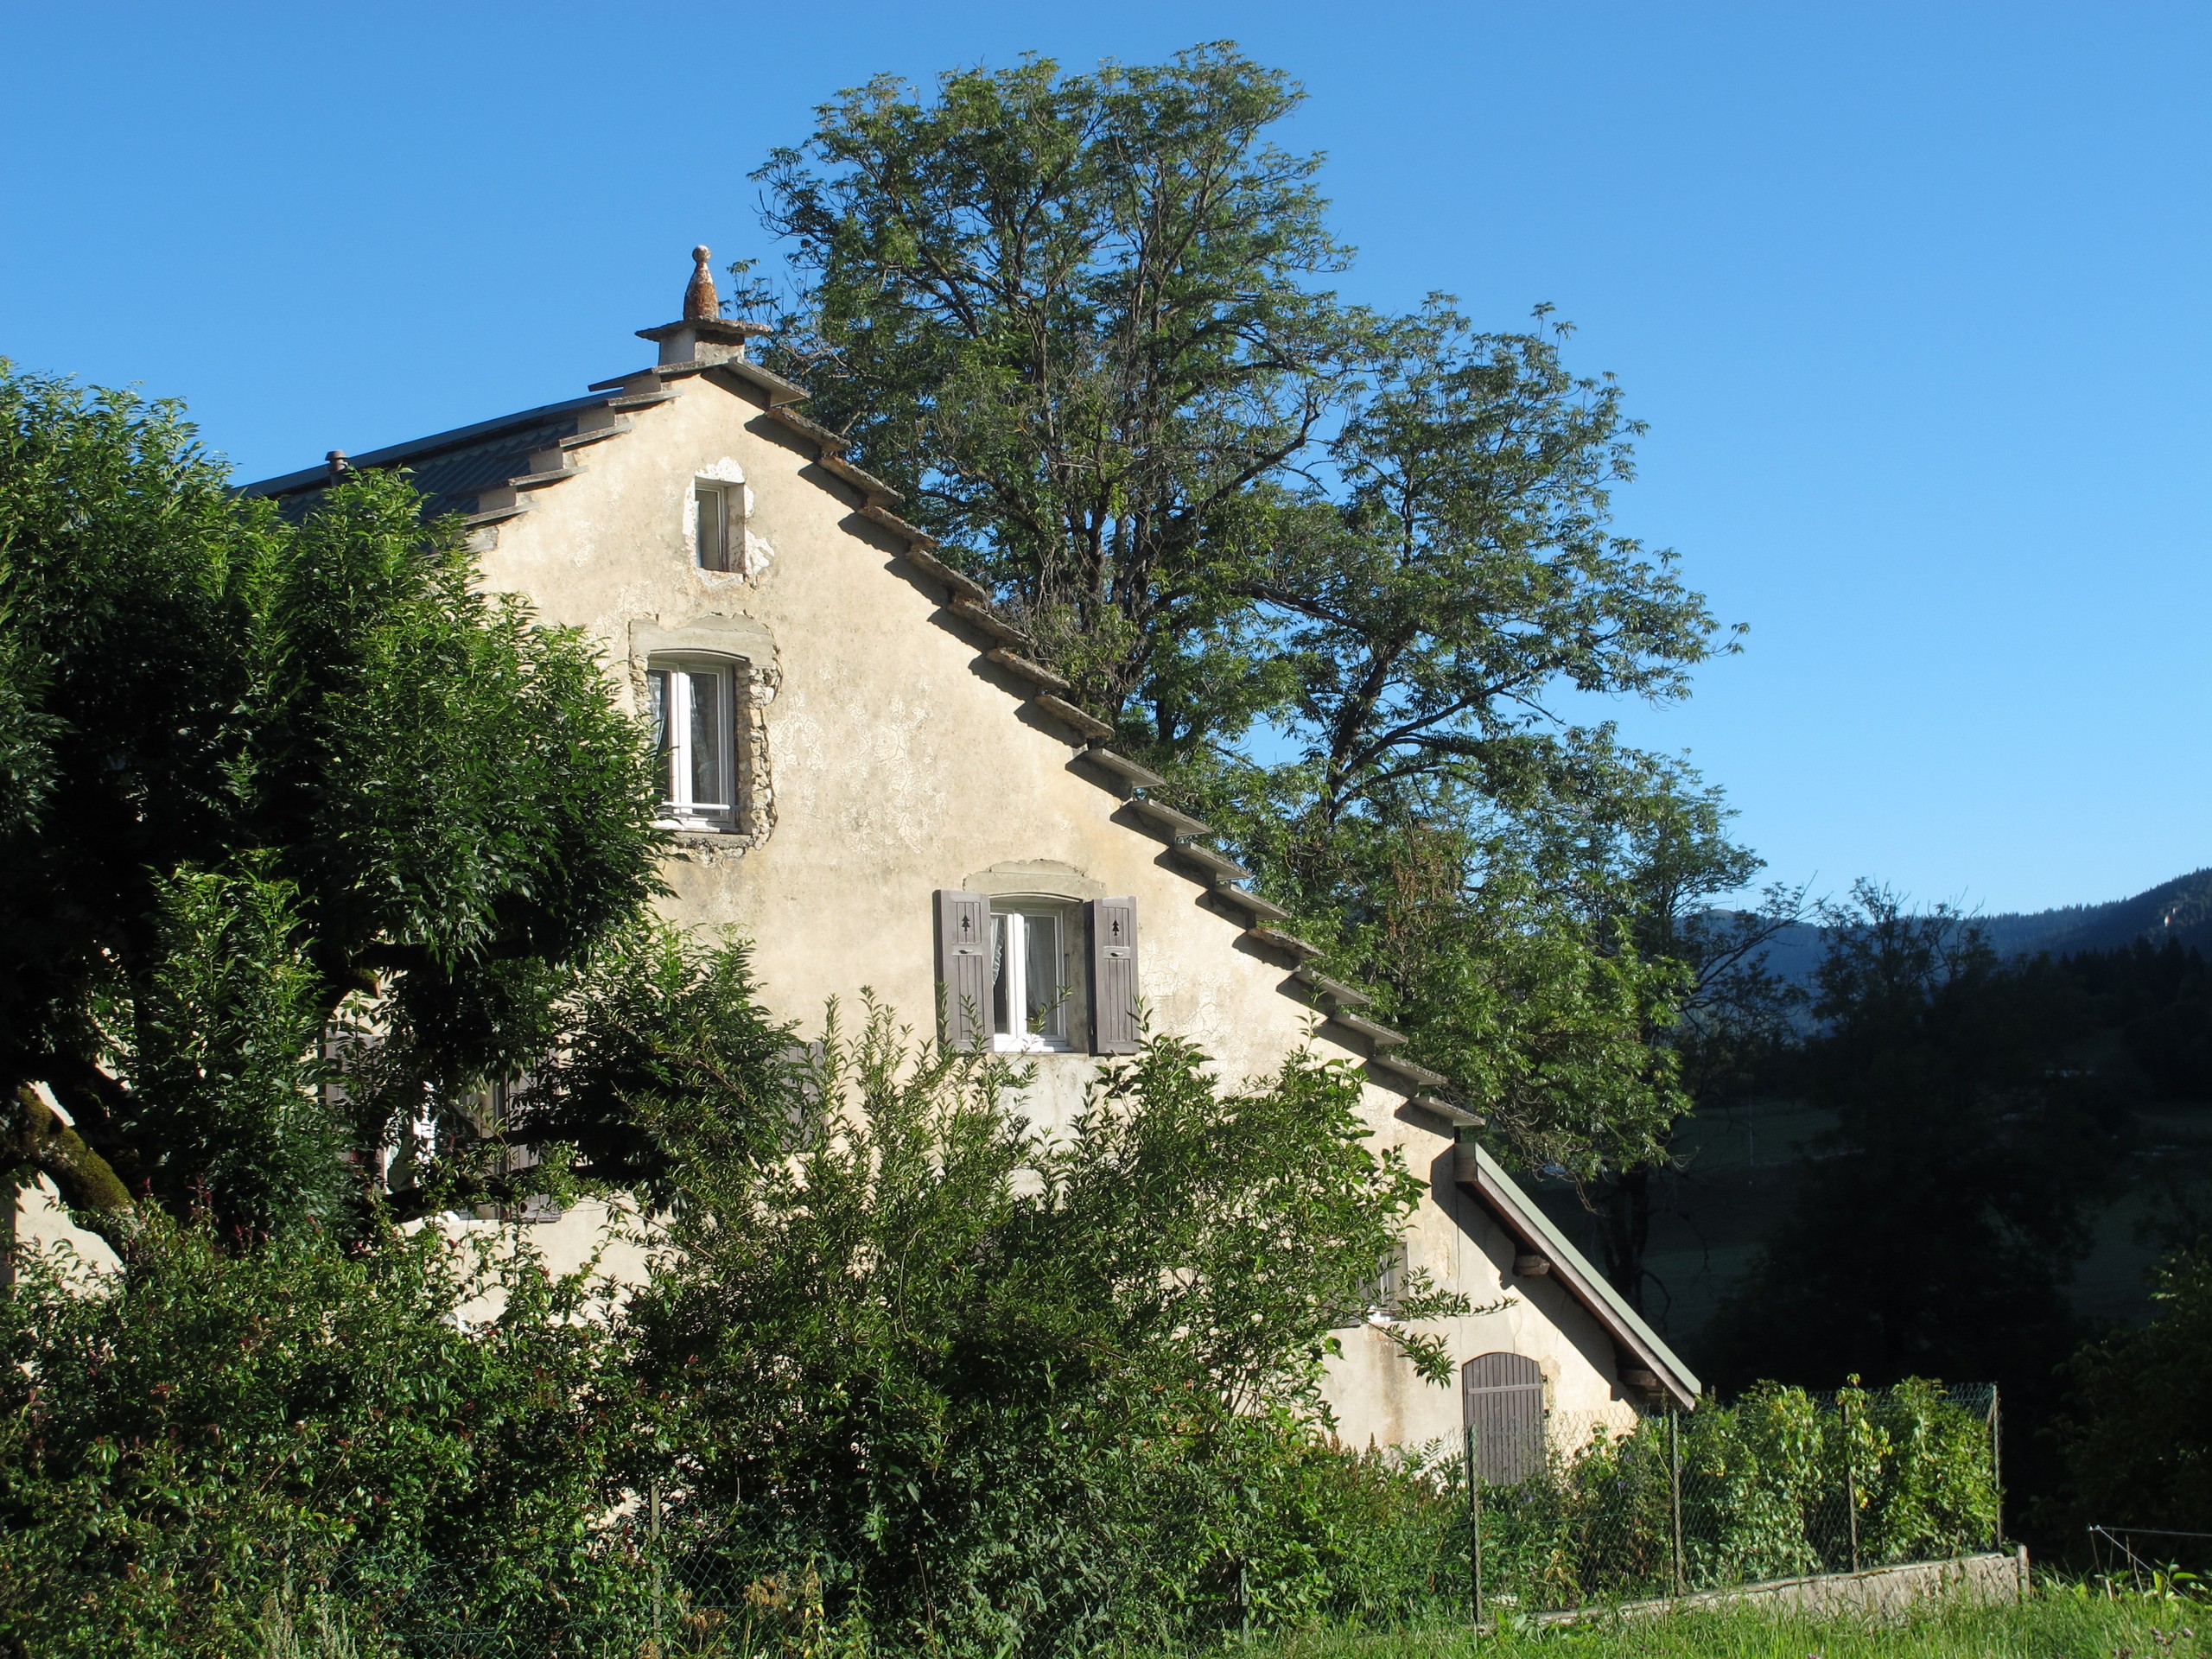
(1638, 1346)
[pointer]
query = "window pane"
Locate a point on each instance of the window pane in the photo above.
(1001, 1005)
(710, 784)
(714, 549)
(657, 700)
(1043, 1000)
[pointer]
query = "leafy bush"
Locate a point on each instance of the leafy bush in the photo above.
(180, 1443)
(1001, 1390)
(1764, 1495)
(1597, 1522)
(1924, 1461)
(905, 1372)
(2138, 1442)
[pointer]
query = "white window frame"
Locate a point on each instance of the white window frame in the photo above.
(1012, 1009)
(730, 510)
(679, 809)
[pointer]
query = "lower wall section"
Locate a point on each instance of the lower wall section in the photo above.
(1885, 1591)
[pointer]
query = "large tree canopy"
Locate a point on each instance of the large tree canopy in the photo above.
(259, 767)
(1071, 317)
(1456, 572)
(1348, 579)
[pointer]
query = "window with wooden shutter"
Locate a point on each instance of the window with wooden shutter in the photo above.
(1503, 1397)
(1032, 969)
(1113, 976)
(963, 967)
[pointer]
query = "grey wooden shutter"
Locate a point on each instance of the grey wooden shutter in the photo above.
(1113, 976)
(963, 967)
(1504, 1396)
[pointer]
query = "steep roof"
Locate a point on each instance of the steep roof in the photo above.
(452, 468)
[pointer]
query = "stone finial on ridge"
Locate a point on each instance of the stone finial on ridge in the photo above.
(703, 337)
(701, 303)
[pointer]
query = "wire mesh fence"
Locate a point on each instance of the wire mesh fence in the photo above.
(1585, 1511)
(2143, 1555)
(1782, 1483)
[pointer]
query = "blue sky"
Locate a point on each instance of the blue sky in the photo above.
(1914, 298)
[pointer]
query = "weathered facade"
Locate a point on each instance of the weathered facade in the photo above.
(872, 784)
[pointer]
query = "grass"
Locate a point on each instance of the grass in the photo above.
(2062, 1622)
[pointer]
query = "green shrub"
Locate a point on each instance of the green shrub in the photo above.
(1007, 1392)
(1764, 1496)
(180, 1443)
(2138, 1444)
(905, 1373)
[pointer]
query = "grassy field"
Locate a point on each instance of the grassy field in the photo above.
(2056, 1624)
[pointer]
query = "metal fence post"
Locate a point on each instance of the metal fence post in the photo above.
(1474, 1530)
(1850, 1477)
(653, 1525)
(1997, 1465)
(1674, 1483)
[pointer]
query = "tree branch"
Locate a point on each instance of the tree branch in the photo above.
(33, 1135)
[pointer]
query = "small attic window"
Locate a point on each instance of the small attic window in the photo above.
(720, 515)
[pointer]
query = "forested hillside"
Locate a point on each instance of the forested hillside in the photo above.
(1958, 1158)
(2180, 909)
(2124, 1001)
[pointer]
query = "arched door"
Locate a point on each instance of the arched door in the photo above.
(1503, 1396)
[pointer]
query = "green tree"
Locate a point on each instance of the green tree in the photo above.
(1071, 317)
(1454, 838)
(1079, 321)
(1932, 1235)
(1536, 1003)
(266, 767)
(2136, 1445)
(659, 1034)
(1734, 1020)
(1458, 575)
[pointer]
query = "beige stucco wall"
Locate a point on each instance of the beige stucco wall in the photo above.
(43, 1223)
(899, 761)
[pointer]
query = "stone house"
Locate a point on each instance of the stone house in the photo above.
(871, 779)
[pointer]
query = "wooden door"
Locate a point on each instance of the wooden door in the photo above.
(1503, 1395)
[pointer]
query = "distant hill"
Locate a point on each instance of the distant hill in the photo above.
(2179, 909)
